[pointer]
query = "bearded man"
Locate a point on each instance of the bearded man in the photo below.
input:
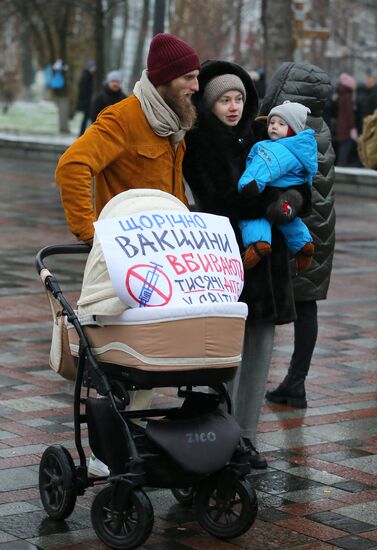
(136, 143)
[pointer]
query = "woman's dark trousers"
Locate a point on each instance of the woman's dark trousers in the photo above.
(292, 390)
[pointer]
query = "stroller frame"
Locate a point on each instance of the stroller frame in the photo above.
(122, 514)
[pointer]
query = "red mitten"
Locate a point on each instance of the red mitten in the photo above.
(254, 253)
(304, 257)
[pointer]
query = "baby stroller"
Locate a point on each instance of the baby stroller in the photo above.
(194, 449)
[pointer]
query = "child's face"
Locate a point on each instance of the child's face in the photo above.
(277, 128)
(229, 108)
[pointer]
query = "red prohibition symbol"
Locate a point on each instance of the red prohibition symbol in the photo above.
(148, 285)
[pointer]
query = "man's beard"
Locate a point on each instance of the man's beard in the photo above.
(183, 107)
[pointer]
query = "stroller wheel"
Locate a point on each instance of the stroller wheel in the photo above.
(57, 482)
(228, 519)
(127, 528)
(184, 496)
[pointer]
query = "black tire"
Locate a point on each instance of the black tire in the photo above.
(136, 525)
(184, 496)
(57, 482)
(235, 518)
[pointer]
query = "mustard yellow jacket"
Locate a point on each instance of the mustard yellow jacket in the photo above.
(121, 151)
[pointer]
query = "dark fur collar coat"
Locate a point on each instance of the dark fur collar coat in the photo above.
(214, 161)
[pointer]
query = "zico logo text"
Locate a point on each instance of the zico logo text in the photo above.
(200, 437)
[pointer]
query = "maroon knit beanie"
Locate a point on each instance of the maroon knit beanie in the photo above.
(169, 57)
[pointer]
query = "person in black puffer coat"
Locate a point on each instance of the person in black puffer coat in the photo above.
(111, 93)
(214, 161)
(309, 85)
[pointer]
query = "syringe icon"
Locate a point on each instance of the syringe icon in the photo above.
(150, 282)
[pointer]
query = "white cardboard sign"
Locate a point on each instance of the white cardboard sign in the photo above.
(162, 258)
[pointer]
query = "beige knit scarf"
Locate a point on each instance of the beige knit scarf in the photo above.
(163, 120)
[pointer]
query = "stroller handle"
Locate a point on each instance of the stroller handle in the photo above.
(55, 249)
(52, 285)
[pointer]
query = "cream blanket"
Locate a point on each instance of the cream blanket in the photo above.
(98, 296)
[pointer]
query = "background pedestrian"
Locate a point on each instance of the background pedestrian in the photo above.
(85, 93)
(346, 132)
(111, 93)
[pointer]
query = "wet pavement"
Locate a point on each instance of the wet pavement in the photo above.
(320, 490)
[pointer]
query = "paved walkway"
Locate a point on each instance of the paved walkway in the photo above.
(320, 490)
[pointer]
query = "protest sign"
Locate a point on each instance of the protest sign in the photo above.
(175, 258)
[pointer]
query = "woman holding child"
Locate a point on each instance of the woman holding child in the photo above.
(217, 148)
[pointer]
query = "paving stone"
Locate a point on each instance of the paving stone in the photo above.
(65, 540)
(29, 404)
(37, 524)
(19, 545)
(272, 501)
(365, 464)
(342, 455)
(356, 443)
(352, 486)
(5, 538)
(6, 435)
(352, 543)
(313, 494)
(271, 514)
(335, 519)
(281, 482)
(16, 508)
(169, 546)
(17, 478)
(281, 465)
(362, 512)
(316, 475)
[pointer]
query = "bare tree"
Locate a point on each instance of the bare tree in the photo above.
(10, 62)
(71, 30)
(237, 34)
(118, 53)
(139, 54)
(57, 30)
(278, 24)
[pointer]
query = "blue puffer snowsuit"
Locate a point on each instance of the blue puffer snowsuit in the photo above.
(283, 163)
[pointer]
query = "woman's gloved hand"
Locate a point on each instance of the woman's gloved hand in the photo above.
(286, 208)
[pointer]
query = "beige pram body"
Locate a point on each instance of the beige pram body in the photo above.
(149, 339)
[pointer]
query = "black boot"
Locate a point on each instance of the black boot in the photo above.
(291, 391)
(257, 461)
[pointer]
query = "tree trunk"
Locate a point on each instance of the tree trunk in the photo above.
(99, 32)
(139, 55)
(28, 73)
(119, 50)
(62, 103)
(278, 25)
(159, 17)
(237, 32)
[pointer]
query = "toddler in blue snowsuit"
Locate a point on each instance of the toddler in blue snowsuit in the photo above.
(288, 159)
